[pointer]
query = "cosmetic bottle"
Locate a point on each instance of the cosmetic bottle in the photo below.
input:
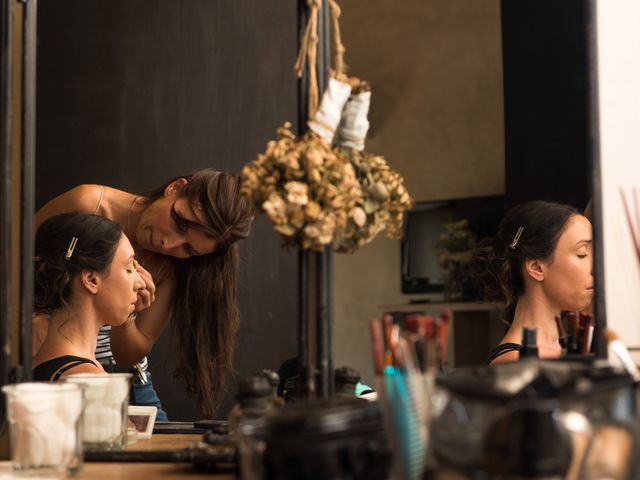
(529, 346)
(253, 398)
(274, 379)
(346, 379)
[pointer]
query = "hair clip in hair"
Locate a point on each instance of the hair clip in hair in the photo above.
(72, 246)
(513, 244)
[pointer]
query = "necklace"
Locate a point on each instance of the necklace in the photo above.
(135, 199)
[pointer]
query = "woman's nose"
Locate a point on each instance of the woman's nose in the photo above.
(172, 241)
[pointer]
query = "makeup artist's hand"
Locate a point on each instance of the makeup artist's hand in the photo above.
(147, 295)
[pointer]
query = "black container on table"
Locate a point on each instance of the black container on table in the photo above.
(534, 418)
(341, 438)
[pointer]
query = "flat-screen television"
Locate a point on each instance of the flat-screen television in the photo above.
(423, 225)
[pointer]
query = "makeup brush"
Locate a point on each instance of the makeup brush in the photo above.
(618, 348)
(635, 236)
(377, 346)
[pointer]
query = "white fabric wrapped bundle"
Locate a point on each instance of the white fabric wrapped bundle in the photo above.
(326, 120)
(355, 124)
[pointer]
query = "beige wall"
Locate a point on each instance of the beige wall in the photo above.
(435, 68)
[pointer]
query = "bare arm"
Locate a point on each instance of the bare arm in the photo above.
(132, 341)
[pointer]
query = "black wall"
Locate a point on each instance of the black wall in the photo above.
(133, 92)
(546, 100)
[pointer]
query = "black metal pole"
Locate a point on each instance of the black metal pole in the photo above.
(323, 274)
(321, 325)
(6, 32)
(28, 185)
(599, 342)
(303, 84)
(322, 284)
(324, 47)
(329, 317)
(306, 368)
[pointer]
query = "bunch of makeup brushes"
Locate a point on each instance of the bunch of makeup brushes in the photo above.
(576, 332)
(406, 358)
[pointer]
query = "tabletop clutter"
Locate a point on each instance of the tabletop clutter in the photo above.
(52, 424)
(570, 418)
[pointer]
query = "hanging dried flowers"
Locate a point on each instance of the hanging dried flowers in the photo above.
(384, 197)
(306, 189)
(382, 204)
(310, 191)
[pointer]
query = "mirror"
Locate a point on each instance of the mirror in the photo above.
(469, 100)
(130, 94)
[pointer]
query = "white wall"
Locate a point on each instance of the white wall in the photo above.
(618, 71)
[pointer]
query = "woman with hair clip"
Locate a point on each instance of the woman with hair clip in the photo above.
(539, 263)
(184, 234)
(85, 277)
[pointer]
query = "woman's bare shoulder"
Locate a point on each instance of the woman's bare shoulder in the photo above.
(512, 356)
(83, 198)
(86, 368)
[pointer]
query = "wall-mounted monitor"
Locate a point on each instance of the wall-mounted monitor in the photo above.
(424, 224)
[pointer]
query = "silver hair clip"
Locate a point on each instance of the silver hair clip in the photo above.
(516, 238)
(72, 246)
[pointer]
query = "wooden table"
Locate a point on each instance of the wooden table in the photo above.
(116, 471)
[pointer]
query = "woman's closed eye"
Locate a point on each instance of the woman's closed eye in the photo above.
(181, 224)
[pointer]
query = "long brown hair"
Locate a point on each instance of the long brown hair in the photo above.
(205, 313)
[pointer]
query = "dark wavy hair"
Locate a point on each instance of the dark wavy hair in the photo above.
(205, 315)
(498, 264)
(97, 242)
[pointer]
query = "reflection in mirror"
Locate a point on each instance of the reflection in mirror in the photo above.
(472, 112)
(128, 100)
(469, 101)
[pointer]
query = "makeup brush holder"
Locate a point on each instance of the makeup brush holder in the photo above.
(539, 419)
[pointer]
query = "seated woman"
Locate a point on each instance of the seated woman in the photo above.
(539, 263)
(85, 277)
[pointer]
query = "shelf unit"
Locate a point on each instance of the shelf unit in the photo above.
(476, 327)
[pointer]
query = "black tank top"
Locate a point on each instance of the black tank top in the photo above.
(52, 370)
(502, 349)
